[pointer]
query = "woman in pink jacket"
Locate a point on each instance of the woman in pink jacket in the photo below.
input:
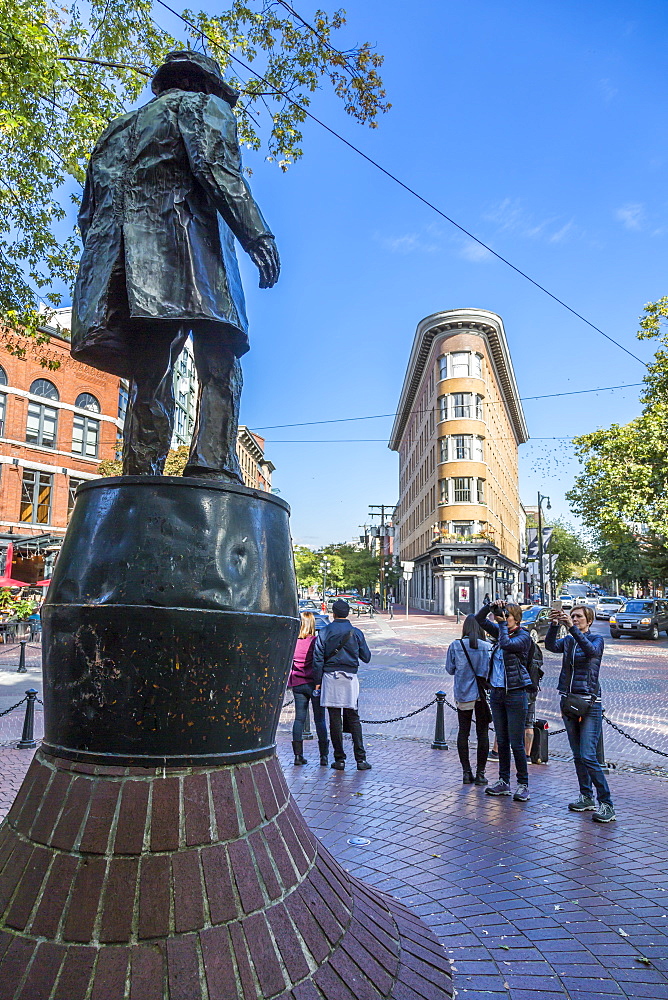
(302, 686)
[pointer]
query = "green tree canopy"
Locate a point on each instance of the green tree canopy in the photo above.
(624, 482)
(359, 568)
(572, 551)
(65, 71)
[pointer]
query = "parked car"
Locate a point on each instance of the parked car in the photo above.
(567, 601)
(536, 620)
(606, 606)
(306, 604)
(320, 620)
(640, 616)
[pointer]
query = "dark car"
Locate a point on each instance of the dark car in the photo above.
(536, 620)
(640, 616)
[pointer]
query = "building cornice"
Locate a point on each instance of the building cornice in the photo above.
(453, 321)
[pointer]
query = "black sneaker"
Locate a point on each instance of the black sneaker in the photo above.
(338, 765)
(582, 804)
(605, 813)
(363, 765)
(498, 788)
(492, 755)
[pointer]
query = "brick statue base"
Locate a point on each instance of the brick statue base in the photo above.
(191, 883)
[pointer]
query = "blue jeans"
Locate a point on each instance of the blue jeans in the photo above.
(303, 694)
(583, 736)
(509, 709)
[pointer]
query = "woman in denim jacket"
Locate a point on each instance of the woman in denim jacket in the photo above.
(581, 660)
(467, 659)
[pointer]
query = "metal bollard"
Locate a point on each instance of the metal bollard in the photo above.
(27, 741)
(439, 732)
(22, 658)
(307, 734)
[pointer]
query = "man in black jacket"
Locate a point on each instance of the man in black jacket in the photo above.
(337, 652)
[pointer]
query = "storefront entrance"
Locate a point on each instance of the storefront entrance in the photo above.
(464, 595)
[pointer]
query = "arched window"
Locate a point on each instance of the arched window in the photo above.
(42, 387)
(86, 401)
(3, 376)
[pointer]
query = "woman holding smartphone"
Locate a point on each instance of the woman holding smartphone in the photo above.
(581, 661)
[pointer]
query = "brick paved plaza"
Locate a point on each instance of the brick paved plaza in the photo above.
(529, 899)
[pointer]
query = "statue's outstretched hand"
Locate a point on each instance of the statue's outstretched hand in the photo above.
(264, 255)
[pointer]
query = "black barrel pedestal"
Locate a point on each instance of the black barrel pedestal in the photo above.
(169, 625)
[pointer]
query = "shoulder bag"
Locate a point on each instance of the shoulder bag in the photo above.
(575, 706)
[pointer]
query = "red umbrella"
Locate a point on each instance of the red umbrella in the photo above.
(6, 581)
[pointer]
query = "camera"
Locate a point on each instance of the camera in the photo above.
(496, 609)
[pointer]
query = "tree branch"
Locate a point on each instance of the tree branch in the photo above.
(100, 62)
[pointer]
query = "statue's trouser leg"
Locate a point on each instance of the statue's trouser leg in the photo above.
(149, 421)
(214, 443)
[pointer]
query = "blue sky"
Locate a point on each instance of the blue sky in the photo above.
(541, 127)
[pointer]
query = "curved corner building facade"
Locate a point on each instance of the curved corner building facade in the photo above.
(458, 427)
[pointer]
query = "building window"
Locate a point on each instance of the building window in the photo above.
(3, 376)
(71, 490)
(42, 424)
(461, 405)
(462, 528)
(481, 490)
(476, 365)
(86, 401)
(443, 366)
(42, 387)
(478, 454)
(36, 497)
(478, 407)
(85, 436)
(443, 490)
(3, 408)
(459, 363)
(443, 407)
(461, 489)
(122, 401)
(462, 447)
(443, 449)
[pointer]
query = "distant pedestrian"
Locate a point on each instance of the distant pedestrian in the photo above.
(583, 718)
(390, 606)
(336, 655)
(468, 659)
(376, 598)
(509, 681)
(486, 599)
(302, 685)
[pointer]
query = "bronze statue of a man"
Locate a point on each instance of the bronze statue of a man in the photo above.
(164, 198)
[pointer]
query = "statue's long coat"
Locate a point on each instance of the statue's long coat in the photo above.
(163, 200)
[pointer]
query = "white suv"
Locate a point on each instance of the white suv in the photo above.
(606, 606)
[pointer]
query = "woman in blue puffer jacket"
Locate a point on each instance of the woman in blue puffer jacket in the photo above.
(581, 661)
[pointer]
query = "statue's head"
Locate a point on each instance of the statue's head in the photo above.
(193, 71)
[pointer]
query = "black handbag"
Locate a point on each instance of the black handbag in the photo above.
(575, 706)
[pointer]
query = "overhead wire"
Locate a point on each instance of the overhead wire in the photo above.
(401, 183)
(379, 416)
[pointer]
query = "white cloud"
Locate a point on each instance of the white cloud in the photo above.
(606, 89)
(510, 215)
(474, 252)
(631, 215)
(408, 243)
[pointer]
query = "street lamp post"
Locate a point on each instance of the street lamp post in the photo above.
(541, 570)
(324, 567)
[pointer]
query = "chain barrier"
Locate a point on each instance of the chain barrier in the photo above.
(628, 736)
(17, 705)
(399, 718)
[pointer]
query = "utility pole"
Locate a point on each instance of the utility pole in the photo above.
(541, 570)
(382, 507)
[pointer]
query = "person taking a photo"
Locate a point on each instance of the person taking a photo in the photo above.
(509, 681)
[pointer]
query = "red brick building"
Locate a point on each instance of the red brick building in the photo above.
(55, 429)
